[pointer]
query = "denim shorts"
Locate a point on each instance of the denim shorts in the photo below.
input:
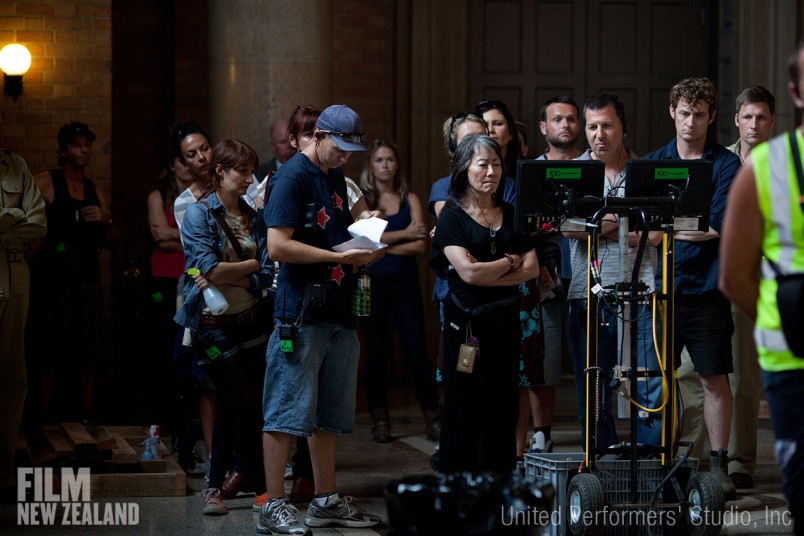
(314, 386)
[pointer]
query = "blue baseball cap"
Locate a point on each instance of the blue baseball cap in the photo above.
(343, 124)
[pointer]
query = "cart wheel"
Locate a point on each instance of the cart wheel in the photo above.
(704, 515)
(585, 496)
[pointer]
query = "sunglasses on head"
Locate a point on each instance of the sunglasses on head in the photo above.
(486, 105)
(457, 117)
(351, 137)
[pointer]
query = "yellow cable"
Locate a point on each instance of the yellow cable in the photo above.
(665, 387)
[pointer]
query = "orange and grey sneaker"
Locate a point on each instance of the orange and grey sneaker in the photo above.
(213, 503)
(259, 502)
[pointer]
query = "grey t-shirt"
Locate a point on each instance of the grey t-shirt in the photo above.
(608, 253)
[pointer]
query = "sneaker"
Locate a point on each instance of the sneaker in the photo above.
(338, 510)
(200, 467)
(259, 502)
(213, 504)
(278, 516)
(548, 447)
(538, 444)
(288, 472)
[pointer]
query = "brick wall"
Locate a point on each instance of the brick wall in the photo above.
(70, 79)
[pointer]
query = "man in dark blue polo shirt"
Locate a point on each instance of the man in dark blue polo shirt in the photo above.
(703, 321)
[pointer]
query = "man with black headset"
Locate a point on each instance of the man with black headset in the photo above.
(605, 126)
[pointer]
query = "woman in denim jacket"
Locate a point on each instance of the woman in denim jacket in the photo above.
(230, 346)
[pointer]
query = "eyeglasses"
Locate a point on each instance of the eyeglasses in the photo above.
(351, 137)
(486, 105)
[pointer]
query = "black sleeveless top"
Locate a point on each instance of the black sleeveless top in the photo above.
(71, 248)
(392, 264)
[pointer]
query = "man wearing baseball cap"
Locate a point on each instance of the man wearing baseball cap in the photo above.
(312, 357)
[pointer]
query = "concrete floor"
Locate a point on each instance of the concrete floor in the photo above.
(364, 467)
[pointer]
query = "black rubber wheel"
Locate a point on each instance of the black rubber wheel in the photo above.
(704, 515)
(586, 499)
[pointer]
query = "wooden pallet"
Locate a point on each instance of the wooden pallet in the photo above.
(113, 455)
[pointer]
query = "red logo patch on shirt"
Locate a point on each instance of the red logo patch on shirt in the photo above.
(337, 200)
(322, 218)
(336, 274)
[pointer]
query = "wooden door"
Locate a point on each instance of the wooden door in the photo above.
(525, 51)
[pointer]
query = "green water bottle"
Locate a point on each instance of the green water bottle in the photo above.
(361, 302)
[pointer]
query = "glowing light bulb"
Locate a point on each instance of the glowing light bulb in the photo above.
(15, 60)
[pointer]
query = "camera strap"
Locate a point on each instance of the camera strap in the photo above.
(797, 162)
(800, 177)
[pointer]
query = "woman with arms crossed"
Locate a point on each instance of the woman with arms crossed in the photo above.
(476, 249)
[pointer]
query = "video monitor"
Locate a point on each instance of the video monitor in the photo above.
(557, 190)
(684, 187)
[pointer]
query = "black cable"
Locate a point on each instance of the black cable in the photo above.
(643, 240)
(679, 463)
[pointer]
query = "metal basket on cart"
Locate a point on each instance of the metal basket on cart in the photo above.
(615, 477)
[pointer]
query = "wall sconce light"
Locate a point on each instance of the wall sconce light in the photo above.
(15, 60)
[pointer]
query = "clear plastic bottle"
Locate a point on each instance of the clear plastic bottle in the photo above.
(215, 300)
(361, 302)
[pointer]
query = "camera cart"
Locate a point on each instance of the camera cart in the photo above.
(630, 488)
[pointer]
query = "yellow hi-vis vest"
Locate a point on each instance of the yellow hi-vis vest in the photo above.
(782, 242)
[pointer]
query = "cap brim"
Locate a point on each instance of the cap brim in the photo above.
(349, 146)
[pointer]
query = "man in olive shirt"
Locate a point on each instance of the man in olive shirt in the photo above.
(22, 219)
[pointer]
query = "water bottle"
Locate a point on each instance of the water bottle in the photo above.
(216, 302)
(361, 302)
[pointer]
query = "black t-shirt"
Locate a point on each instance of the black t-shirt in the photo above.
(315, 206)
(457, 228)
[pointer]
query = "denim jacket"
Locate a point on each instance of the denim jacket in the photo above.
(204, 242)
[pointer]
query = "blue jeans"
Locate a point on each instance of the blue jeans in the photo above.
(314, 386)
(785, 391)
(649, 392)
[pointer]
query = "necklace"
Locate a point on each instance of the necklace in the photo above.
(235, 222)
(492, 230)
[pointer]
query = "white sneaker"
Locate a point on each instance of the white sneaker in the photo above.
(539, 445)
(278, 516)
(338, 510)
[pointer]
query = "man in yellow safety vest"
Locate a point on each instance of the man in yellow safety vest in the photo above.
(764, 227)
